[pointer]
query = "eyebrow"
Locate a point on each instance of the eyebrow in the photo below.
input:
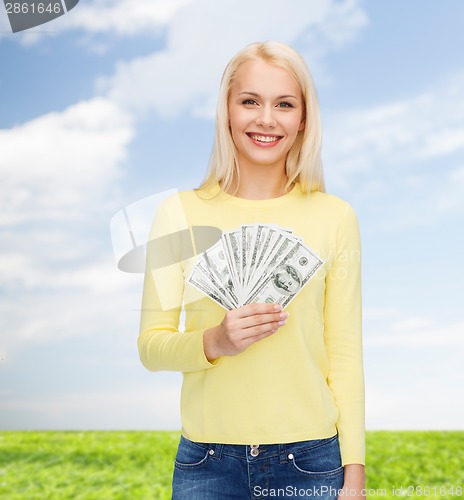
(280, 97)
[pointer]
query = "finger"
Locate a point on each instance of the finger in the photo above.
(256, 338)
(258, 308)
(260, 319)
(257, 330)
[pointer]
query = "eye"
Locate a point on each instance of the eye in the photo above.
(285, 104)
(249, 102)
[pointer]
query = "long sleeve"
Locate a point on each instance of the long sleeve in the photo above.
(343, 338)
(161, 345)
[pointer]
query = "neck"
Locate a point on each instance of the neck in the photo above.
(260, 185)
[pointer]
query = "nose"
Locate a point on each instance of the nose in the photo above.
(266, 117)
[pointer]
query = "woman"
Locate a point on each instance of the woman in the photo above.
(272, 401)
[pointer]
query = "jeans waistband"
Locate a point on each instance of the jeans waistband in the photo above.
(281, 450)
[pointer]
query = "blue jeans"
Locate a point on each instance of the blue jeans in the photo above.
(305, 469)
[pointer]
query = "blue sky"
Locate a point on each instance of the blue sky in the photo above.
(114, 102)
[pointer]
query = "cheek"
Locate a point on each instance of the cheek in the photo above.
(233, 122)
(235, 128)
(297, 125)
(236, 119)
(291, 124)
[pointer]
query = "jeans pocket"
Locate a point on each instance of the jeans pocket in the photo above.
(191, 455)
(323, 460)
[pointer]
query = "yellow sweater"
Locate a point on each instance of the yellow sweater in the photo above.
(305, 381)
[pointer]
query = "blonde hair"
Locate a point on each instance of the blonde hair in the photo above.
(303, 163)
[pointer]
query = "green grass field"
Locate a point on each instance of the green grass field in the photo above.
(125, 465)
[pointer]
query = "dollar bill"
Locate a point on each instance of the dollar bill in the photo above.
(231, 242)
(287, 277)
(281, 247)
(274, 236)
(253, 257)
(202, 283)
(255, 263)
(248, 238)
(216, 261)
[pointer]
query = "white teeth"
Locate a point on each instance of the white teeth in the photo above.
(263, 138)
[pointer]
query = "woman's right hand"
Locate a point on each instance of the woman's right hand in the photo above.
(242, 327)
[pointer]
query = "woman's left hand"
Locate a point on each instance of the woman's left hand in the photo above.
(354, 485)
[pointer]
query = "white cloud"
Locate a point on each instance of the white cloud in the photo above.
(340, 25)
(449, 198)
(414, 332)
(408, 131)
(379, 313)
(58, 177)
(123, 18)
(76, 300)
(413, 371)
(411, 324)
(403, 158)
(329, 24)
(71, 158)
(434, 406)
(205, 34)
(151, 407)
(425, 200)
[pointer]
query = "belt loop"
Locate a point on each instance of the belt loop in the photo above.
(217, 448)
(283, 453)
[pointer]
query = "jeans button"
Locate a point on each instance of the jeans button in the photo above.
(254, 450)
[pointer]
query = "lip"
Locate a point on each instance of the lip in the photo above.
(264, 144)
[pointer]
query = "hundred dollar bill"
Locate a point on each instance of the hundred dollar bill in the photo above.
(270, 245)
(253, 257)
(282, 244)
(264, 234)
(223, 286)
(267, 234)
(248, 233)
(231, 242)
(287, 277)
(216, 261)
(203, 284)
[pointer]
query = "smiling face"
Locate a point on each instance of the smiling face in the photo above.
(266, 112)
(285, 282)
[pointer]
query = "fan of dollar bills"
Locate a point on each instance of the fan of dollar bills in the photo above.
(255, 263)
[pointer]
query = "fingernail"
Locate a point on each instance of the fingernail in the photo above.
(277, 307)
(284, 315)
(282, 322)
